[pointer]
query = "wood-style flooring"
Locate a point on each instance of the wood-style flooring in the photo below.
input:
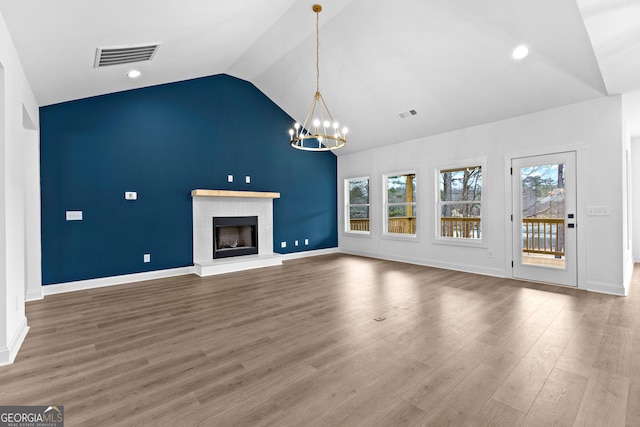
(297, 345)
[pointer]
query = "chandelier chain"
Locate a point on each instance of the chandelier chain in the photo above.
(317, 52)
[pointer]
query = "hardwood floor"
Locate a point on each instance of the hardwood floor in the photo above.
(297, 345)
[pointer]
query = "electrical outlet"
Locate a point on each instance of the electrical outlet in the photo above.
(229, 178)
(247, 179)
(295, 243)
(306, 242)
(490, 254)
(283, 244)
(130, 195)
(147, 257)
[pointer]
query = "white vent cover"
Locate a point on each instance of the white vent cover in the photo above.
(124, 55)
(406, 114)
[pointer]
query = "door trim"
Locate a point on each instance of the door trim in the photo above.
(579, 151)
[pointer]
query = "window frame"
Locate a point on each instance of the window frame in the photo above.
(462, 241)
(348, 205)
(386, 204)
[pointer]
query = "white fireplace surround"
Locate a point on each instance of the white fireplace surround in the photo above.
(210, 203)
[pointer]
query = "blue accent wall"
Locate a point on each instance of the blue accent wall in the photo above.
(163, 142)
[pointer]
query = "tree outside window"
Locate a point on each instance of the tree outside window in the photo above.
(460, 202)
(543, 191)
(400, 212)
(357, 190)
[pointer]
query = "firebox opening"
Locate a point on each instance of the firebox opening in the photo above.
(235, 236)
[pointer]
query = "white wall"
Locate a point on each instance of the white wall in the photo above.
(627, 202)
(635, 196)
(593, 129)
(31, 170)
(16, 156)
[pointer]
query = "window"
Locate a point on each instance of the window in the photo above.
(400, 201)
(357, 197)
(460, 203)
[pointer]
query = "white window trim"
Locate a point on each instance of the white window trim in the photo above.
(458, 241)
(385, 208)
(347, 217)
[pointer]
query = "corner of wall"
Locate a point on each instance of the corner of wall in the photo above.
(18, 111)
(8, 354)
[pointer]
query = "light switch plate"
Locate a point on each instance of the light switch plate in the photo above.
(598, 210)
(74, 215)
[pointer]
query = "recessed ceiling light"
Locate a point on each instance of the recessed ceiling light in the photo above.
(133, 74)
(520, 52)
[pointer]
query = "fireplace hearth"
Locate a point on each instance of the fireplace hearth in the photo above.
(235, 236)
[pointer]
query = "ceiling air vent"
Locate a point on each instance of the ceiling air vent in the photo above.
(124, 55)
(406, 114)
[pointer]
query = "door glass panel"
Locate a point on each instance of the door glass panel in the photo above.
(543, 215)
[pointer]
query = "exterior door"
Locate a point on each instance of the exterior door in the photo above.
(544, 218)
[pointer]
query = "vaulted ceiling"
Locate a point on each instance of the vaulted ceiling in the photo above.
(450, 61)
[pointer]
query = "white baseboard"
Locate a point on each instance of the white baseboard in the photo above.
(59, 288)
(114, 280)
(606, 288)
(305, 254)
(603, 288)
(34, 295)
(494, 272)
(8, 354)
(628, 277)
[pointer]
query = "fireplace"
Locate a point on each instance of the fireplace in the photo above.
(235, 236)
(208, 204)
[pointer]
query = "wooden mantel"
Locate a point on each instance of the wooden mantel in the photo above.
(231, 193)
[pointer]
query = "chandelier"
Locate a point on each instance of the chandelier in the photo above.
(319, 132)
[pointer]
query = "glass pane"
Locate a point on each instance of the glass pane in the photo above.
(543, 212)
(463, 184)
(359, 191)
(402, 211)
(461, 210)
(358, 212)
(461, 220)
(401, 188)
(402, 219)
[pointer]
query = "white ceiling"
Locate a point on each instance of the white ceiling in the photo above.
(448, 60)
